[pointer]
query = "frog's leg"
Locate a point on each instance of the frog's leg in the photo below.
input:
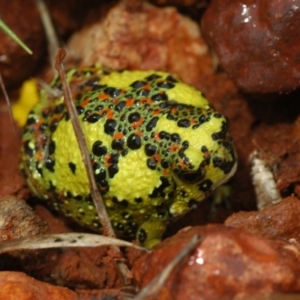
(220, 197)
(151, 232)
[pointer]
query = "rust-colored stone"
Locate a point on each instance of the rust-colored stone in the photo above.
(70, 15)
(84, 268)
(227, 264)
(23, 18)
(15, 285)
(279, 221)
(180, 2)
(11, 181)
(257, 42)
(135, 35)
(288, 168)
(18, 220)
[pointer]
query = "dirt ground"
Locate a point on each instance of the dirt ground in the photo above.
(265, 122)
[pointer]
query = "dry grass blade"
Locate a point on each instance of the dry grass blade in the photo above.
(157, 283)
(2, 85)
(53, 92)
(9, 32)
(53, 42)
(47, 241)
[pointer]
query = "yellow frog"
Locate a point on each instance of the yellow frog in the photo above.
(156, 145)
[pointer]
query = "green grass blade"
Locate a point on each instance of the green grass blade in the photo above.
(8, 31)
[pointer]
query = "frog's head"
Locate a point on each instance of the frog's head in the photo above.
(205, 157)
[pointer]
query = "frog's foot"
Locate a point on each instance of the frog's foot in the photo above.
(220, 198)
(151, 232)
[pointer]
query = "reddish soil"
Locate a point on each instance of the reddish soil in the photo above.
(267, 122)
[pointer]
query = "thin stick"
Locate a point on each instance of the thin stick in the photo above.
(98, 201)
(7, 102)
(8, 31)
(96, 196)
(158, 282)
(53, 43)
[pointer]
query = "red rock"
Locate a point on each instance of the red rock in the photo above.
(15, 285)
(83, 269)
(177, 2)
(11, 180)
(227, 264)
(69, 15)
(18, 220)
(280, 221)
(24, 20)
(15, 64)
(257, 42)
(138, 35)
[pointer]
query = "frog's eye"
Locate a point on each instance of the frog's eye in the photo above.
(191, 177)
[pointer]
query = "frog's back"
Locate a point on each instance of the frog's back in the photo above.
(139, 127)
